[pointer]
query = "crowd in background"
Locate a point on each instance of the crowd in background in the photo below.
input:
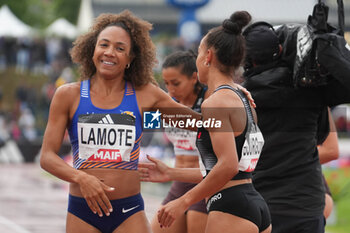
(33, 57)
(37, 55)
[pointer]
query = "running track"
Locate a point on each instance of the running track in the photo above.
(32, 201)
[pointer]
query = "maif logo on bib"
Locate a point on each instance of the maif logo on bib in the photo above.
(106, 137)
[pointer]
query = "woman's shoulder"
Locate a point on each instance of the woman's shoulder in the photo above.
(146, 94)
(149, 90)
(66, 96)
(68, 90)
(146, 87)
(151, 95)
(222, 100)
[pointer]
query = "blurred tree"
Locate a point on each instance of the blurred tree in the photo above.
(41, 13)
(68, 9)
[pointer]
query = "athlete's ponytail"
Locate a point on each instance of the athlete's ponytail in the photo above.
(228, 42)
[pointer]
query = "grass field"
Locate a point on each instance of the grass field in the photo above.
(339, 183)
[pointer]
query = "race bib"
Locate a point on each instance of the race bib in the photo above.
(251, 150)
(106, 137)
(181, 138)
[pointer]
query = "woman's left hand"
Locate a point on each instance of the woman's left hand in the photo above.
(155, 171)
(248, 94)
(168, 213)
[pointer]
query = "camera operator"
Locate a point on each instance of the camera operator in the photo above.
(288, 174)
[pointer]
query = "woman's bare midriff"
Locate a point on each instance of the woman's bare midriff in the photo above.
(186, 161)
(125, 182)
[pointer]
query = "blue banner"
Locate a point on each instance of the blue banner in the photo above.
(188, 3)
(188, 26)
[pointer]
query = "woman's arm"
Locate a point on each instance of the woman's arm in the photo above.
(165, 101)
(157, 171)
(329, 149)
(92, 188)
(153, 98)
(54, 133)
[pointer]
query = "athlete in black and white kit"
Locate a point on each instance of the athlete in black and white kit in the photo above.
(230, 152)
(179, 74)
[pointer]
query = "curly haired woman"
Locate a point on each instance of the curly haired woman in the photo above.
(102, 114)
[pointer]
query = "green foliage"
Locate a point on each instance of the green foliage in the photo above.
(158, 77)
(41, 13)
(343, 217)
(68, 9)
(339, 183)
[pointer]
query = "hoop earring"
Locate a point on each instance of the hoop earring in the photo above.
(127, 66)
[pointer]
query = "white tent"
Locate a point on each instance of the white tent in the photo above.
(10, 25)
(86, 16)
(61, 27)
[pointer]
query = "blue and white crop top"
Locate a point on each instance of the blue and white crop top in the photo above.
(184, 141)
(248, 144)
(106, 138)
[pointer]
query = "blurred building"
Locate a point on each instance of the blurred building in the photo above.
(273, 11)
(165, 17)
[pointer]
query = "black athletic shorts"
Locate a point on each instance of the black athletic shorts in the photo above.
(242, 201)
(180, 188)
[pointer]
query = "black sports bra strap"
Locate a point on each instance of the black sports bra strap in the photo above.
(200, 98)
(244, 100)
